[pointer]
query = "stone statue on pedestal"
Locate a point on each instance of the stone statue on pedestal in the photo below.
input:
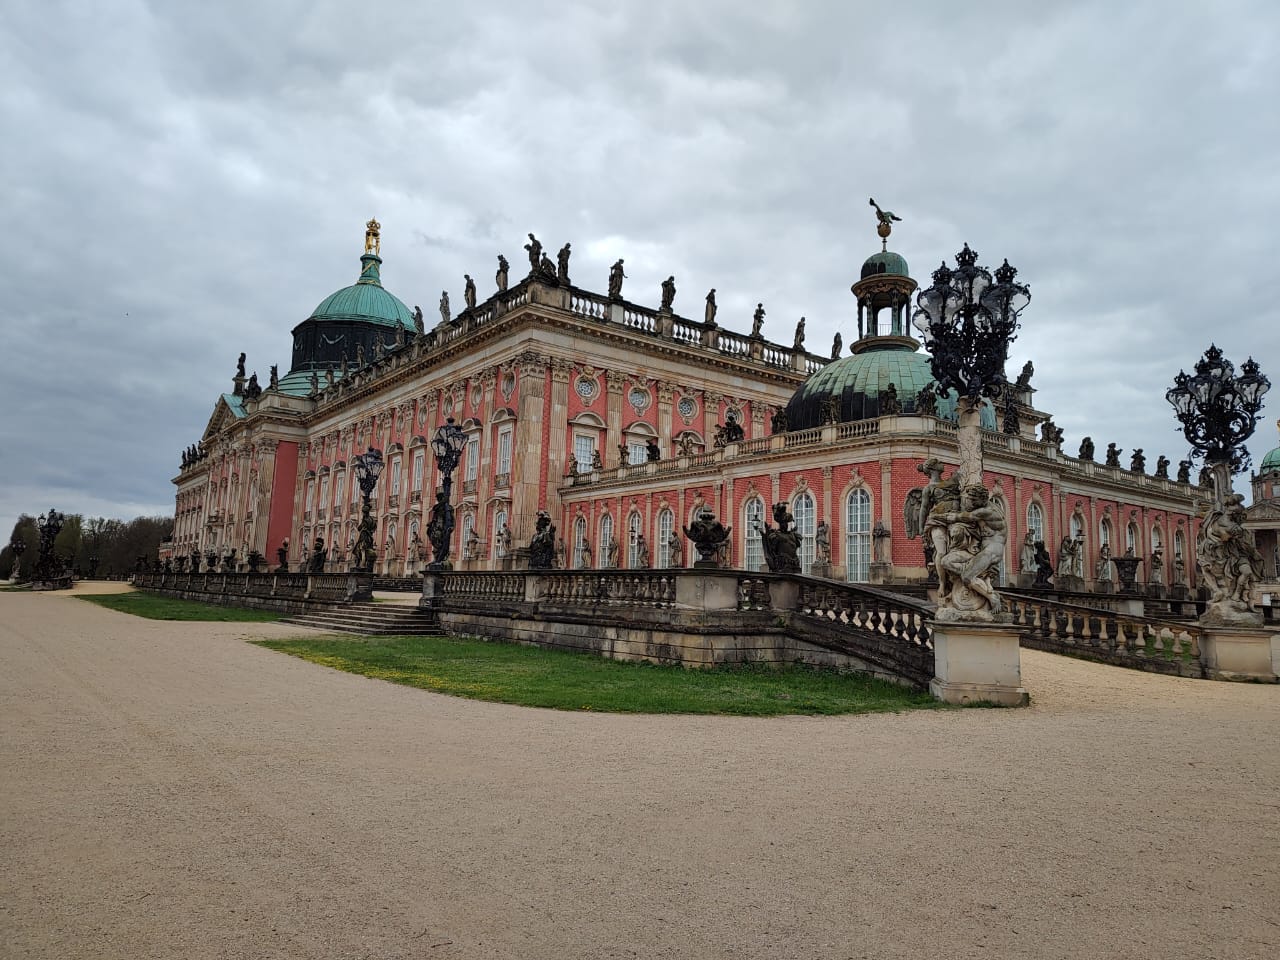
(1113, 455)
(562, 265)
(1027, 562)
(1228, 556)
(1137, 462)
(469, 291)
(500, 278)
(616, 276)
(668, 292)
(757, 320)
(798, 342)
(642, 552)
(837, 344)
(542, 548)
(890, 405)
(709, 313)
(1184, 471)
(781, 545)
(822, 543)
(1162, 467)
(534, 249)
(927, 401)
(1086, 449)
(1104, 572)
(445, 312)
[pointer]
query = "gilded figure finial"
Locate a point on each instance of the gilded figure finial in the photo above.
(885, 220)
(373, 237)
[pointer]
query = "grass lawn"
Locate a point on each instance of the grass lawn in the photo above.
(171, 608)
(534, 677)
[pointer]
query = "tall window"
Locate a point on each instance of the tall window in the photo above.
(395, 475)
(1180, 546)
(606, 537)
(504, 450)
(802, 509)
(857, 547)
(583, 447)
(392, 530)
(473, 457)
(579, 541)
(468, 530)
(1035, 520)
(355, 489)
(1131, 537)
(1104, 534)
(324, 492)
(419, 460)
(311, 495)
(633, 540)
(753, 517)
(1157, 539)
(637, 451)
(338, 489)
(499, 521)
(666, 524)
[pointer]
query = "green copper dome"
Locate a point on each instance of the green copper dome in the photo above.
(1271, 462)
(858, 381)
(885, 262)
(366, 300)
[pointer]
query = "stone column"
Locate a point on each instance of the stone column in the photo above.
(557, 442)
(666, 391)
(615, 385)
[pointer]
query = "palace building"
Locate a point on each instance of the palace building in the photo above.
(623, 422)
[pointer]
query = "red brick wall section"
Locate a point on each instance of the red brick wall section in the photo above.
(282, 486)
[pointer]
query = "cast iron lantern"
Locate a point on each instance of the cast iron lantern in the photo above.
(1218, 410)
(446, 445)
(368, 467)
(967, 320)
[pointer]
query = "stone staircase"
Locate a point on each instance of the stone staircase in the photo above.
(380, 619)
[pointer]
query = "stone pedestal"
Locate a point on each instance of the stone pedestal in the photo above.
(880, 573)
(1241, 653)
(977, 662)
(1026, 581)
(432, 589)
(707, 591)
(822, 570)
(1069, 583)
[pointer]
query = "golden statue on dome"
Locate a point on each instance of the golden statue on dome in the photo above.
(373, 237)
(886, 220)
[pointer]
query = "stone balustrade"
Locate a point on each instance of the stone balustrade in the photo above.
(1159, 646)
(290, 592)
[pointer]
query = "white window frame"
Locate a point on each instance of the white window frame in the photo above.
(1035, 521)
(666, 526)
(473, 458)
(395, 476)
(606, 535)
(806, 526)
(753, 514)
(499, 521)
(419, 467)
(635, 527)
(857, 536)
(506, 436)
(584, 443)
(579, 541)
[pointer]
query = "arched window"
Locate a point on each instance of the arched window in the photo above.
(802, 510)
(1035, 520)
(579, 541)
(392, 530)
(606, 538)
(753, 521)
(661, 551)
(633, 540)
(499, 521)
(1179, 550)
(1104, 534)
(1131, 537)
(857, 537)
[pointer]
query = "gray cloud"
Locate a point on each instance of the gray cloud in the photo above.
(185, 181)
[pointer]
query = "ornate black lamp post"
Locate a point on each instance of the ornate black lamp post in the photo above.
(446, 446)
(1218, 411)
(368, 467)
(48, 566)
(967, 319)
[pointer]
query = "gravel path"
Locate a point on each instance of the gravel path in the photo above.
(169, 791)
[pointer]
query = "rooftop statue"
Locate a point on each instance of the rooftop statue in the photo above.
(778, 422)
(709, 314)
(1113, 455)
(1138, 462)
(535, 253)
(418, 323)
(445, 311)
(274, 382)
(240, 366)
(668, 292)
(1184, 471)
(1086, 449)
(1024, 378)
(469, 292)
(373, 237)
(837, 345)
(562, 264)
(798, 343)
(927, 401)
(890, 405)
(616, 276)
(1162, 467)
(885, 219)
(501, 276)
(757, 320)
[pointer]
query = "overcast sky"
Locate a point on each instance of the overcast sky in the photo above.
(183, 181)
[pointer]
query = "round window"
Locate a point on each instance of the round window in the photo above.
(687, 407)
(586, 388)
(639, 398)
